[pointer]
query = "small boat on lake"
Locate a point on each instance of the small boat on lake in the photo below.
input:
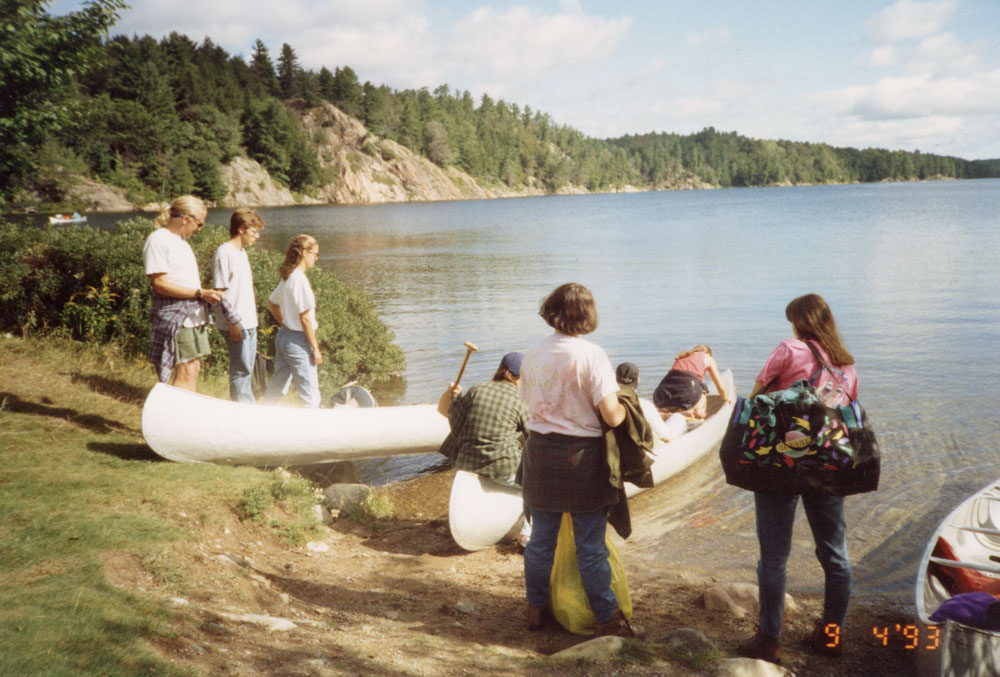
(191, 428)
(960, 563)
(482, 512)
(67, 218)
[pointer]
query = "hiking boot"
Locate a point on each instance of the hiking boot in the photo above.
(826, 639)
(761, 646)
(618, 626)
(539, 617)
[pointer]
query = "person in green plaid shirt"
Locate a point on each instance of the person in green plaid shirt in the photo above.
(488, 424)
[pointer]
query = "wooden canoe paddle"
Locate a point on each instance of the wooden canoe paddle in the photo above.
(469, 349)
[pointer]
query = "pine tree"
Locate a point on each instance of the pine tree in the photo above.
(288, 72)
(263, 70)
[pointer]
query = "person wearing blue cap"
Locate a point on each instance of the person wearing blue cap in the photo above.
(489, 423)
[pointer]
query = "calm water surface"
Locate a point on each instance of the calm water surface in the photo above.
(910, 271)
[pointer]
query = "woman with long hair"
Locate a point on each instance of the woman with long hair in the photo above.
(793, 360)
(570, 387)
(293, 305)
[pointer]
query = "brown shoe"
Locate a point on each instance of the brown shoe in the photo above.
(617, 626)
(826, 639)
(539, 617)
(761, 646)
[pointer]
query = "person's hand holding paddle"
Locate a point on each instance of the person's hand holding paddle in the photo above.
(454, 390)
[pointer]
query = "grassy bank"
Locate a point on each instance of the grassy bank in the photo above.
(78, 489)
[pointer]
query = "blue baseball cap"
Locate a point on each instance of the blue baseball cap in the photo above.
(513, 362)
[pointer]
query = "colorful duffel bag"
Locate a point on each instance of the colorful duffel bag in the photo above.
(788, 442)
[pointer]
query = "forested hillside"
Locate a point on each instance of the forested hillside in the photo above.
(159, 118)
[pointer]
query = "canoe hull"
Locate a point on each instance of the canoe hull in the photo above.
(973, 532)
(481, 513)
(191, 428)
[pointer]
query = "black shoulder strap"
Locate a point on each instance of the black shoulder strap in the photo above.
(837, 373)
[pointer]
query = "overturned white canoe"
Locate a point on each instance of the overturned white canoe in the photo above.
(190, 428)
(482, 512)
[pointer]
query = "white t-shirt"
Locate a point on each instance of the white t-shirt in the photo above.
(166, 252)
(294, 296)
(563, 378)
(231, 271)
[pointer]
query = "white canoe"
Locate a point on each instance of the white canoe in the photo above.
(972, 531)
(673, 457)
(482, 512)
(187, 427)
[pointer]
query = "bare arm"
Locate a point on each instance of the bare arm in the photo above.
(611, 410)
(276, 312)
(444, 404)
(307, 329)
(758, 388)
(713, 371)
(164, 287)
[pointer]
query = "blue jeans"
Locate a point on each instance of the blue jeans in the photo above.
(775, 516)
(293, 362)
(591, 557)
(241, 358)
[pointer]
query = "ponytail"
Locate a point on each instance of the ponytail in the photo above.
(296, 251)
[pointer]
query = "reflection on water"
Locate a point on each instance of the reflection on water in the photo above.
(909, 270)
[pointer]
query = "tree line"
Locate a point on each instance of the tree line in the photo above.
(160, 117)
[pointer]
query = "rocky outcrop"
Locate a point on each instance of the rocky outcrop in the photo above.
(98, 197)
(363, 168)
(250, 185)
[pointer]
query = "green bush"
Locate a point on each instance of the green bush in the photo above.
(90, 284)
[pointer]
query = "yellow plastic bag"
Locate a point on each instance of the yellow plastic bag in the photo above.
(570, 605)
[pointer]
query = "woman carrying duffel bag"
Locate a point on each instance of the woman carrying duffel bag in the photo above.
(816, 355)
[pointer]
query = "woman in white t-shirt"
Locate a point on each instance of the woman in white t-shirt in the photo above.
(569, 386)
(293, 304)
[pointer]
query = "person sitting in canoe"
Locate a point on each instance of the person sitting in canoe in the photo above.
(627, 375)
(683, 390)
(488, 424)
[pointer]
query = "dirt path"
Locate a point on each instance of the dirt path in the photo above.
(403, 599)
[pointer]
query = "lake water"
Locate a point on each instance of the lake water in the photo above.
(910, 271)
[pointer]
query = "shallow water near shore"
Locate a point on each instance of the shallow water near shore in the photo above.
(909, 269)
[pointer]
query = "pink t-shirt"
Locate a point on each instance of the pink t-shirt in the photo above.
(792, 360)
(563, 378)
(694, 363)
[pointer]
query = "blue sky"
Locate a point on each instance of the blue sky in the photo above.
(899, 74)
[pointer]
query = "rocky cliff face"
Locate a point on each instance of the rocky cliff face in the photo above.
(359, 167)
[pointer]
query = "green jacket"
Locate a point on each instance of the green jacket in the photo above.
(625, 449)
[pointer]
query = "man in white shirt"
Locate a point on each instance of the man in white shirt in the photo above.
(179, 315)
(231, 275)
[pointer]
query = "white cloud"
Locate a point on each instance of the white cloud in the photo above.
(883, 56)
(916, 96)
(713, 36)
(943, 53)
(911, 19)
(521, 42)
